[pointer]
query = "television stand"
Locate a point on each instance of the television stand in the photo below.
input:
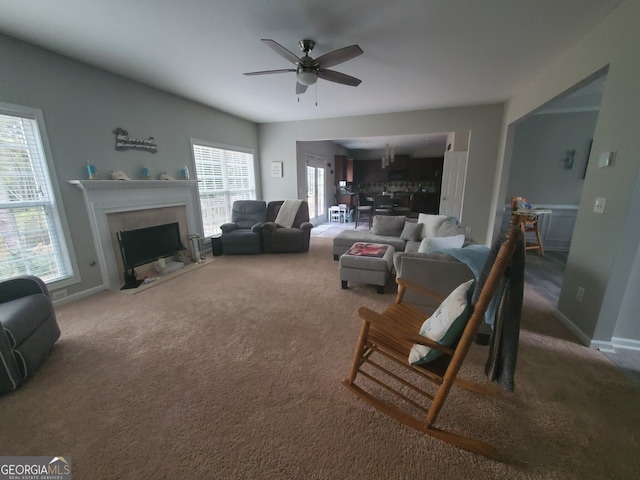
(130, 280)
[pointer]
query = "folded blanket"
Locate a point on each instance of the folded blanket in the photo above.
(474, 257)
(287, 213)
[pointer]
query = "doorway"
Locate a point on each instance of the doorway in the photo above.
(454, 176)
(316, 181)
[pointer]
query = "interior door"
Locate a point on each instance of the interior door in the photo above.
(454, 175)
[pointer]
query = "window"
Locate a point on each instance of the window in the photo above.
(32, 240)
(224, 176)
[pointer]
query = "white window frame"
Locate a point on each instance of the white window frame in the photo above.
(226, 194)
(58, 220)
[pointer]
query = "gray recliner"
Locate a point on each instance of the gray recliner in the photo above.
(279, 239)
(28, 329)
(243, 235)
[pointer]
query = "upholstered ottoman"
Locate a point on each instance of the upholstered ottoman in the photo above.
(368, 263)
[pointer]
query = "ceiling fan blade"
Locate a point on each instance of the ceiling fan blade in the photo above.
(269, 72)
(338, 77)
(338, 56)
(280, 50)
(300, 88)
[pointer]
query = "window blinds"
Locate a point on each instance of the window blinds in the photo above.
(31, 236)
(224, 176)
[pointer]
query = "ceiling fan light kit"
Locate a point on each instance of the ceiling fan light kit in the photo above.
(306, 76)
(309, 70)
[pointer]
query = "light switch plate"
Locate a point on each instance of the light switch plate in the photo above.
(599, 205)
(606, 159)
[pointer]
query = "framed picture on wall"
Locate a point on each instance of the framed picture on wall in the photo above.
(276, 169)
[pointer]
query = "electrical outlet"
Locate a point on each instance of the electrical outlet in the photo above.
(468, 230)
(580, 294)
(58, 294)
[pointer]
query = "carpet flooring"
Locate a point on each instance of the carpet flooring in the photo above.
(233, 370)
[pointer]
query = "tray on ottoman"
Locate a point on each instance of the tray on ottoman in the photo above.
(368, 263)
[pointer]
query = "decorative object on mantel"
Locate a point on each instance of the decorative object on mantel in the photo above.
(184, 173)
(123, 142)
(146, 173)
(92, 173)
(165, 176)
(118, 175)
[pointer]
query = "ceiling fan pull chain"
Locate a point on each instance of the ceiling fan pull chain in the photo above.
(316, 94)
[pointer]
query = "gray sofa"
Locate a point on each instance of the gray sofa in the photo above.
(438, 272)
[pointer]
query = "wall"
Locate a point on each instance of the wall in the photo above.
(326, 149)
(604, 246)
(82, 105)
(541, 143)
(278, 143)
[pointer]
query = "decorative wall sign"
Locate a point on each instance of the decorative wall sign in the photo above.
(276, 169)
(123, 142)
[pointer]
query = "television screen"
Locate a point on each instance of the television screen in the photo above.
(145, 245)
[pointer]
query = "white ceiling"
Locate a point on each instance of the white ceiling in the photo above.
(418, 54)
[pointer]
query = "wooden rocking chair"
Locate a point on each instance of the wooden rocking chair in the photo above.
(386, 340)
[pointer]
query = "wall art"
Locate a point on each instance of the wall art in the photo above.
(124, 142)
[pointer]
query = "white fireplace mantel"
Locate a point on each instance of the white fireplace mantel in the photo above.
(103, 197)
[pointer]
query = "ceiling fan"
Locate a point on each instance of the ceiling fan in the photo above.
(309, 70)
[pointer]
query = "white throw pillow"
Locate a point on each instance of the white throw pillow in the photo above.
(445, 325)
(431, 224)
(428, 245)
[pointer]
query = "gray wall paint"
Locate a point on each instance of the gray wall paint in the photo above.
(604, 246)
(326, 149)
(537, 166)
(278, 143)
(82, 105)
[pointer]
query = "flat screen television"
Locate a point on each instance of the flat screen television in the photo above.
(145, 245)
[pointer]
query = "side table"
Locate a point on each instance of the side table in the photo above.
(216, 245)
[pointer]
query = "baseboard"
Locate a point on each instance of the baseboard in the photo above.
(606, 347)
(573, 328)
(77, 296)
(616, 343)
(625, 343)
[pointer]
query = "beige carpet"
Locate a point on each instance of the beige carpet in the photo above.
(233, 371)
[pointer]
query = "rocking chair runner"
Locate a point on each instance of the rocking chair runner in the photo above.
(386, 340)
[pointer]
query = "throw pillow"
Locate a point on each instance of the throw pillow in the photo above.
(438, 243)
(388, 225)
(445, 325)
(411, 232)
(431, 223)
(451, 227)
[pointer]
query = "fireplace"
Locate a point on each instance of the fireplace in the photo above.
(114, 205)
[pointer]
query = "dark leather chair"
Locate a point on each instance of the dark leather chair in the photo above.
(243, 235)
(279, 239)
(28, 329)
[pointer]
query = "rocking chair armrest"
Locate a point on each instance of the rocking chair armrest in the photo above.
(403, 282)
(384, 324)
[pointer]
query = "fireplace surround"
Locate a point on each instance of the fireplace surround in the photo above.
(142, 199)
